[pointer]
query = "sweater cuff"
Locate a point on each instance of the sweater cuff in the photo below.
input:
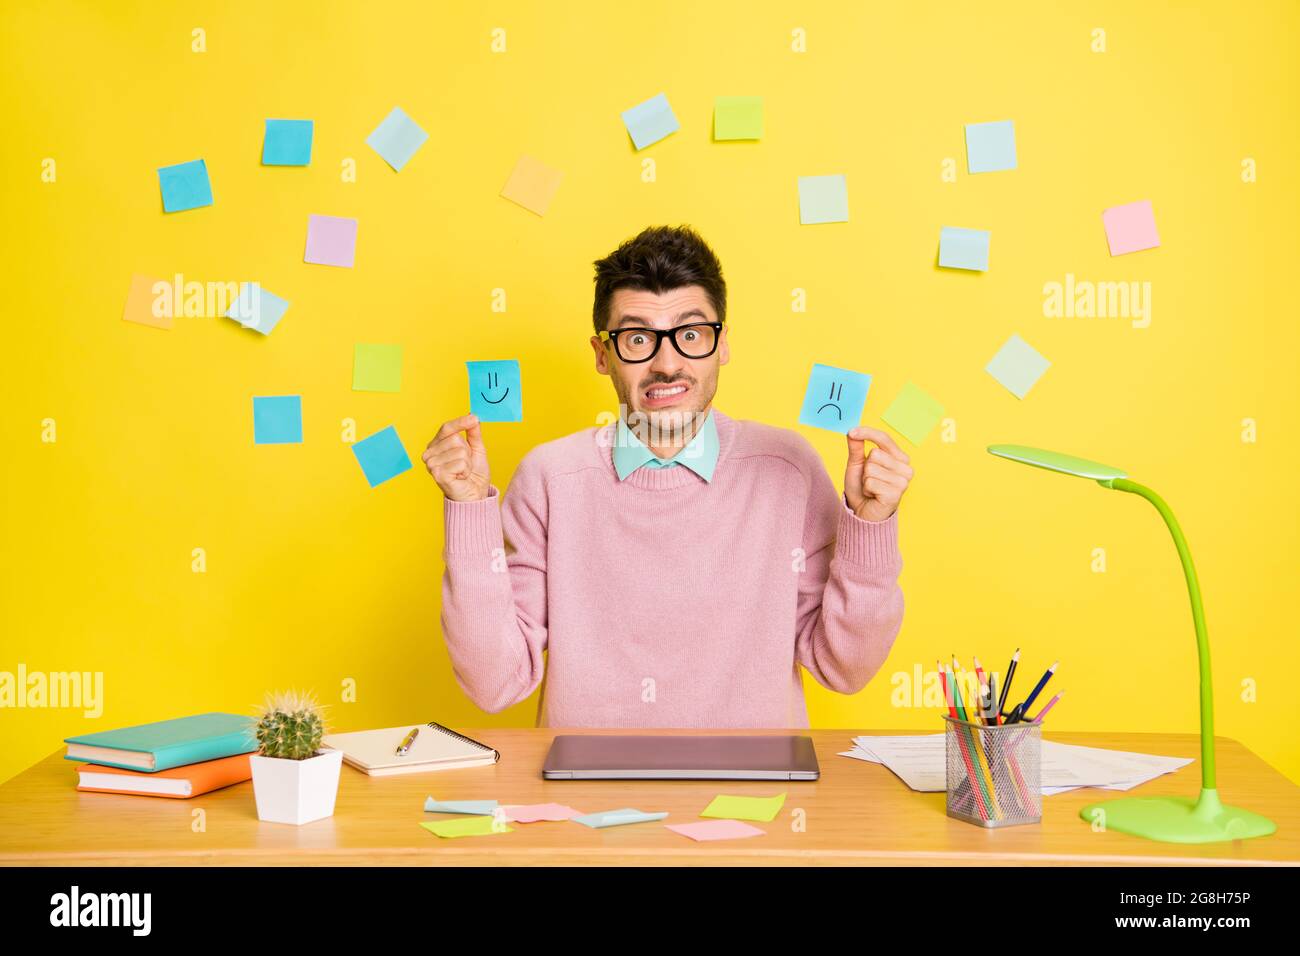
(472, 527)
(872, 544)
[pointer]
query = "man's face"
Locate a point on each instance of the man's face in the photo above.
(669, 387)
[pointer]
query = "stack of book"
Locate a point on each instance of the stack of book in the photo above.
(170, 758)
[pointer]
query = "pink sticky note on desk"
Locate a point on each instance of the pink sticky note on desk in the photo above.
(331, 241)
(715, 830)
(1130, 228)
(532, 812)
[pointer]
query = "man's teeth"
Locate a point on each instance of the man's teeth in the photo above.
(666, 392)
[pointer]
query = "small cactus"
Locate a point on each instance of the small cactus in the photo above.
(290, 726)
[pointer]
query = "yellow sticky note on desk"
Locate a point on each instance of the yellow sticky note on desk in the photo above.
(467, 826)
(745, 808)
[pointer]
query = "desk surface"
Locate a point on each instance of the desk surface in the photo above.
(858, 813)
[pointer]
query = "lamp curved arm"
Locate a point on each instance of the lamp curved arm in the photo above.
(1198, 618)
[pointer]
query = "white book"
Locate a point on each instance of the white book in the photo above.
(436, 747)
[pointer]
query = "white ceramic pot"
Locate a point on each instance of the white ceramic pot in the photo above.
(296, 791)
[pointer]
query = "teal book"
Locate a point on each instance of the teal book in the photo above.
(166, 743)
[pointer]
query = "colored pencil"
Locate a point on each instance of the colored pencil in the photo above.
(1011, 672)
(1042, 713)
(1019, 712)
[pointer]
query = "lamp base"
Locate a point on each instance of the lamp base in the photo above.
(1179, 819)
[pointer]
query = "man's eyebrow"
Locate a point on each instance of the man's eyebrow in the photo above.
(695, 313)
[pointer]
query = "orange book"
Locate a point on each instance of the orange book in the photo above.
(178, 782)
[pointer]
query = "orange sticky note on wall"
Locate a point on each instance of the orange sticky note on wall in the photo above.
(140, 303)
(532, 185)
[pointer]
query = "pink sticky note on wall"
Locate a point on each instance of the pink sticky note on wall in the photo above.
(715, 830)
(331, 241)
(1130, 228)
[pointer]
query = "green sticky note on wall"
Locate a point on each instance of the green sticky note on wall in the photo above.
(913, 414)
(738, 117)
(745, 808)
(377, 368)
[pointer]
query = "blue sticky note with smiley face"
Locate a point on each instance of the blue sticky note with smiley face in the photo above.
(496, 391)
(834, 399)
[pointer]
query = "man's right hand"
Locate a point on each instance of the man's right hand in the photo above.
(458, 462)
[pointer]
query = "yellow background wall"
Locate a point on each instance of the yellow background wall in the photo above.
(313, 579)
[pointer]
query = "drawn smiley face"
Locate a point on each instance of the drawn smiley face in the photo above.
(493, 386)
(496, 391)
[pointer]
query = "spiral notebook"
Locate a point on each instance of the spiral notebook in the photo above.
(436, 747)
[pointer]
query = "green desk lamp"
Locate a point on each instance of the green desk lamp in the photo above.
(1169, 819)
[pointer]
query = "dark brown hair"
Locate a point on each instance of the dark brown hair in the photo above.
(658, 260)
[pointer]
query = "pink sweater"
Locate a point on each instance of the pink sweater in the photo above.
(664, 600)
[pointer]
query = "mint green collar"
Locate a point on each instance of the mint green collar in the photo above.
(700, 454)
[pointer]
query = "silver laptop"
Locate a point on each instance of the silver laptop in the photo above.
(650, 757)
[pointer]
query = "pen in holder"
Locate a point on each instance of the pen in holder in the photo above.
(993, 772)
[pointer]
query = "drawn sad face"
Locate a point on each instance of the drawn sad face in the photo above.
(835, 395)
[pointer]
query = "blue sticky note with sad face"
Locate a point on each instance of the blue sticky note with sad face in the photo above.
(835, 399)
(495, 391)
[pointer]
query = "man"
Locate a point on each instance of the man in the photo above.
(678, 566)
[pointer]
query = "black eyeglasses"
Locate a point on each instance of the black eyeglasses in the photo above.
(695, 341)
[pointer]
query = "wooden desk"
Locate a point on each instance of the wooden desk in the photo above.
(858, 813)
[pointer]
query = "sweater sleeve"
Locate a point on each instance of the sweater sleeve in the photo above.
(850, 604)
(494, 591)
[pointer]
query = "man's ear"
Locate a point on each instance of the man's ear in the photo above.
(602, 356)
(724, 350)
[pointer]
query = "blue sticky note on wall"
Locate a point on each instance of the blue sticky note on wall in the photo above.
(257, 308)
(381, 456)
(990, 146)
(650, 121)
(495, 391)
(823, 199)
(964, 249)
(397, 138)
(277, 419)
(185, 186)
(834, 399)
(287, 142)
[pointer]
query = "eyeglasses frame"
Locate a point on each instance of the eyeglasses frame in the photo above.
(660, 335)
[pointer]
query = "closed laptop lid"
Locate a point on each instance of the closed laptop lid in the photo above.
(653, 757)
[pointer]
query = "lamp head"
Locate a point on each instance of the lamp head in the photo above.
(1055, 461)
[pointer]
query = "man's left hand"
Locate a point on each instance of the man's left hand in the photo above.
(874, 482)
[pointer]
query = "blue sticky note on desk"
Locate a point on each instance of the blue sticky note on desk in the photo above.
(381, 456)
(277, 419)
(185, 186)
(990, 146)
(495, 391)
(964, 249)
(397, 138)
(834, 399)
(482, 808)
(651, 121)
(615, 818)
(287, 142)
(823, 199)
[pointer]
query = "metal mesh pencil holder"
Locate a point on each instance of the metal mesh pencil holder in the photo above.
(994, 772)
